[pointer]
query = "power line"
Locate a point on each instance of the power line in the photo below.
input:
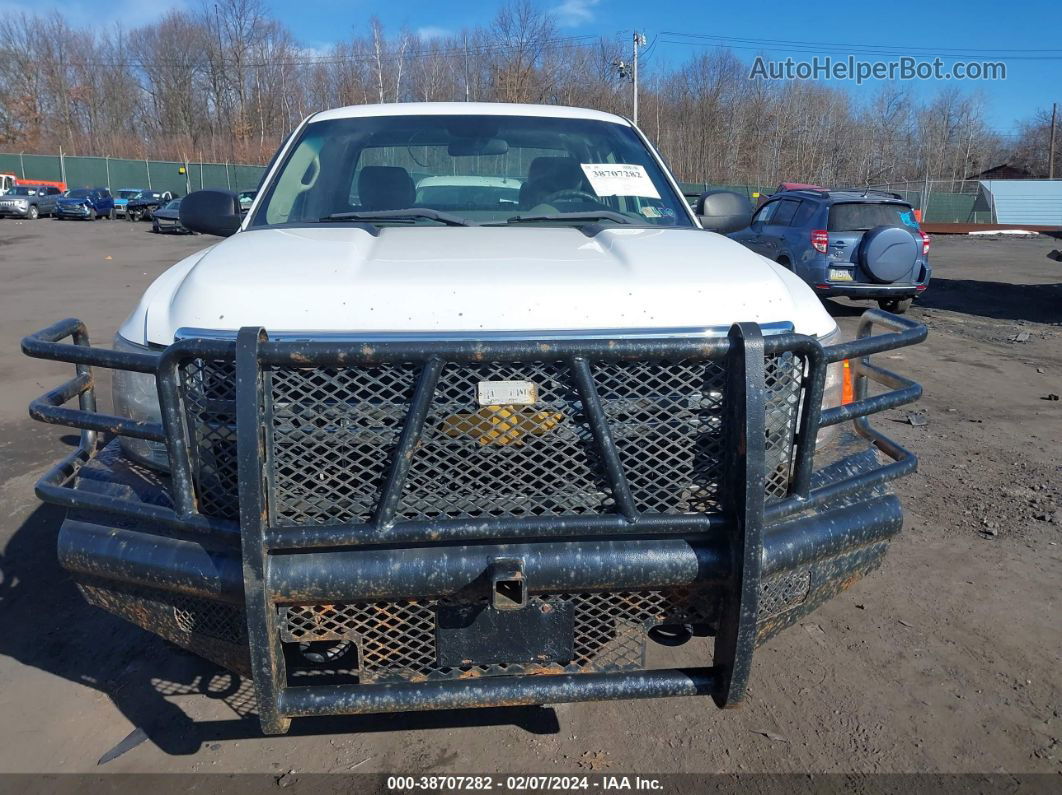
(791, 46)
(932, 50)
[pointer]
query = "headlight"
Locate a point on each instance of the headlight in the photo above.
(136, 396)
(833, 391)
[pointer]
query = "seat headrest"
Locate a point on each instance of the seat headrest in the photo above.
(558, 173)
(547, 175)
(385, 188)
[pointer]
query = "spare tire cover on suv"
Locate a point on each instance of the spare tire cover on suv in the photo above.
(888, 253)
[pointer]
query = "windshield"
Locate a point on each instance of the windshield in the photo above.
(80, 193)
(22, 191)
(856, 217)
(173, 205)
(477, 169)
(128, 194)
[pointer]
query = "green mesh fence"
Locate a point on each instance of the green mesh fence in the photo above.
(943, 207)
(116, 173)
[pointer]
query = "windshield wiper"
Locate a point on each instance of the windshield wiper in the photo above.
(408, 214)
(584, 217)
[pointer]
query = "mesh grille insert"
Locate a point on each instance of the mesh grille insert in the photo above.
(396, 640)
(214, 630)
(210, 402)
(783, 379)
(667, 422)
(783, 591)
(521, 461)
(332, 434)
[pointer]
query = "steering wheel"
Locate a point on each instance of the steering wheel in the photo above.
(571, 194)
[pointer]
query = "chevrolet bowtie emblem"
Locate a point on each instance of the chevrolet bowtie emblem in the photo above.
(502, 425)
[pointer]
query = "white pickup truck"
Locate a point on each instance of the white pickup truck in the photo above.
(468, 409)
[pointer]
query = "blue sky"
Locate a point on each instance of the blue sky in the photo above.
(999, 29)
(979, 29)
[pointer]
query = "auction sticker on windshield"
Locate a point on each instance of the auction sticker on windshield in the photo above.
(619, 179)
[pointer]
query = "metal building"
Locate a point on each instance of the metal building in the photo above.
(1021, 201)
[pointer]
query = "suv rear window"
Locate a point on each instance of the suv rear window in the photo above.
(859, 217)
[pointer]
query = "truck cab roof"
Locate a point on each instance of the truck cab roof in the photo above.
(467, 109)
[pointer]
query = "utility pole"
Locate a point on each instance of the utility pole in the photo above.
(629, 71)
(639, 41)
(1051, 148)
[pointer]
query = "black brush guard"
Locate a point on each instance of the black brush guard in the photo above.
(765, 552)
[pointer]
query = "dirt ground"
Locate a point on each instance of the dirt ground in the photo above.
(947, 659)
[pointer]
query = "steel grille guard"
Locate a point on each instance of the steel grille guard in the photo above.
(828, 526)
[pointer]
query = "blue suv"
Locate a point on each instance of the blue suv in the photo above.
(855, 243)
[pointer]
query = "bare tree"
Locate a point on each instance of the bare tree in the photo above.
(228, 82)
(1030, 150)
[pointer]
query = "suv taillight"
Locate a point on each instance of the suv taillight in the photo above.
(925, 242)
(820, 239)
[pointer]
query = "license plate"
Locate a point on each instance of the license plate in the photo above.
(840, 275)
(507, 393)
(479, 634)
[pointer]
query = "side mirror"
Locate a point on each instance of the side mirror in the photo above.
(723, 211)
(212, 212)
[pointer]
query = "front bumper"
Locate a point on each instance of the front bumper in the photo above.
(14, 211)
(869, 291)
(73, 212)
(249, 593)
(168, 225)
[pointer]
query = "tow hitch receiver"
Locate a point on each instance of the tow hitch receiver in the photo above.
(509, 591)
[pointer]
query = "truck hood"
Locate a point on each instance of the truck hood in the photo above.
(472, 279)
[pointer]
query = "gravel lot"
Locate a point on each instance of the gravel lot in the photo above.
(947, 659)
